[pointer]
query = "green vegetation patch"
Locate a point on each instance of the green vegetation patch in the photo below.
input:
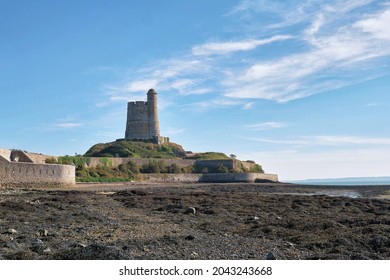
(136, 149)
(209, 156)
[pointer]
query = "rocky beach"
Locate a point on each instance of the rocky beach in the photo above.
(195, 221)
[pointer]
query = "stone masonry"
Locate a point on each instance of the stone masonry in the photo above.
(142, 120)
(17, 168)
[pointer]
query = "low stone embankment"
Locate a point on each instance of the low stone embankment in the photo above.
(210, 178)
(29, 174)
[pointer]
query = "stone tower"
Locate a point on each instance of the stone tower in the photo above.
(154, 127)
(142, 120)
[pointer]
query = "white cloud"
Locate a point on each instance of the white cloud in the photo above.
(349, 140)
(229, 47)
(326, 140)
(248, 105)
(264, 126)
(163, 70)
(173, 131)
(67, 125)
(181, 85)
(336, 50)
(184, 76)
(372, 104)
(196, 91)
(334, 47)
(378, 25)
(141, 85)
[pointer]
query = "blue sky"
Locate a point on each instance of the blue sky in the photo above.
(301, 87)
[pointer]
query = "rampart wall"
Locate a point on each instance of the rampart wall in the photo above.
(5, 154)
(231, 164)
(210, 178)
(40, 158)
(212, 164)
(28, 174)
(31, 174)
(16, 173)
(114, 162)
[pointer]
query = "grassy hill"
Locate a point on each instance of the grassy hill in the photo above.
(136, 149)
(144, 149)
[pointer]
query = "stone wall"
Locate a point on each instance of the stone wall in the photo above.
(248, 165)
(5, 154)
(137, 125)
(213, 164)
(114, 162)
(40, 158)
(210, 165)
(238, 177)
(20, 156)
(17, 169)
(210, 178)
(23, 174)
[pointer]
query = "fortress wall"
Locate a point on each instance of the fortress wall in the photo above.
(40, 158)
(20, 156)
(171, 178)
(237, 177)
(210, 178)
(23, 174)
(211, 164)
(248, 165)
(23, 156)
(5, 154)
(95, 161)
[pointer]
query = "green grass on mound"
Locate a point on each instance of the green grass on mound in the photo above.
(209, 156)
(136, 149)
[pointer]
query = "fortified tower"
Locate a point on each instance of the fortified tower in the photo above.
(154, 127)
(142, 120)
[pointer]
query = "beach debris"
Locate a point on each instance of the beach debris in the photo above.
(44, 232)
(37, 243)
(14, 245)
(11, 231)
(194, 254)
(270, 256)
(47, 251)
(190, 210)
(106, 193)
(190, 237)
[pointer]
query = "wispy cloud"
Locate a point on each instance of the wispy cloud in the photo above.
(372, 104)
(173, 130)
(219, 102)
(328, 45)
(326, 140)
(184, 76)
(230, 47)
(67, 125)
(345, 51)
(264, 126)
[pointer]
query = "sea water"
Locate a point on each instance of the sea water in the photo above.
(345, 182)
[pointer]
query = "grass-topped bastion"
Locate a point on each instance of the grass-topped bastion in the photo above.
(125, 160)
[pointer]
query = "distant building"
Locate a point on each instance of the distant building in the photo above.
(142, 120)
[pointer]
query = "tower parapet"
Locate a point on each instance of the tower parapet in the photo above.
(142, 120)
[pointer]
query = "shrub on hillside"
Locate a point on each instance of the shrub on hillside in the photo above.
(174, 168)
(222, 169)
(154, 166)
